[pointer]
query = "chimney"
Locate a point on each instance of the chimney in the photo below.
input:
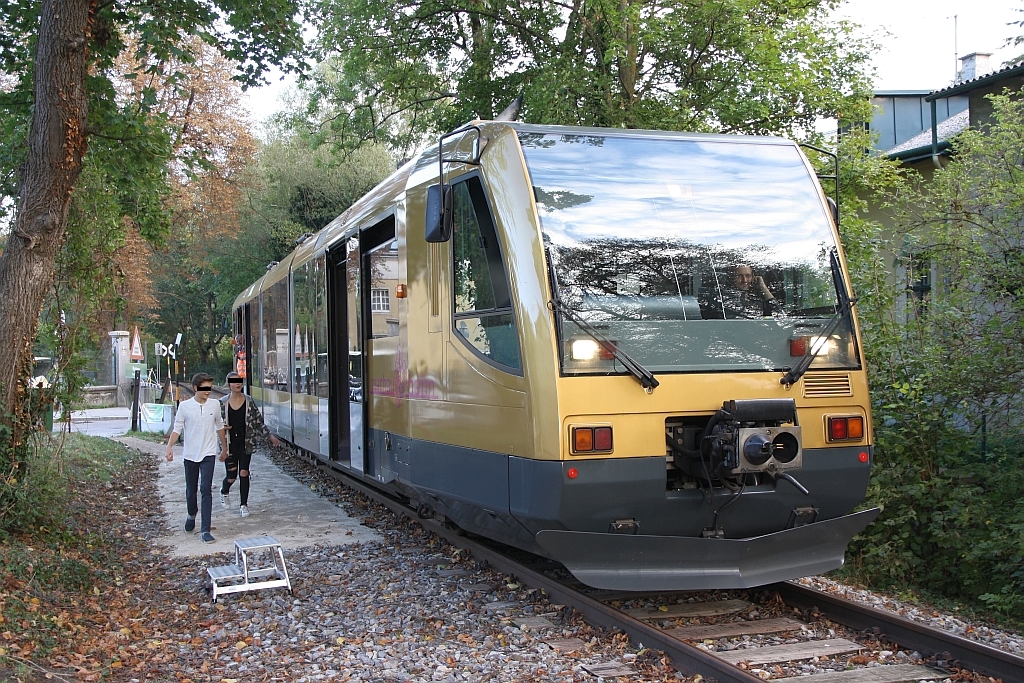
(974, 66)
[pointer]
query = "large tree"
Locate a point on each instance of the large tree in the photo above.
(62, 55)
(393, 71)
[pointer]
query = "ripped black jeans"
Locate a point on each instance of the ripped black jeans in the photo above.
(236, 463)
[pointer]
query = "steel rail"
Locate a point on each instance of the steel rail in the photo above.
(686, 658)
(967, 653)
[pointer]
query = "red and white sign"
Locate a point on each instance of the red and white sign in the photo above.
(137, 353)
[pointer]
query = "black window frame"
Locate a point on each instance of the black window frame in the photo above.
(485, 218)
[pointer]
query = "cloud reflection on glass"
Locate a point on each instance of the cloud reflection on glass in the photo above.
(691, 254)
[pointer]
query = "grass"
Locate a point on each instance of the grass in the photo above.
(155, 437)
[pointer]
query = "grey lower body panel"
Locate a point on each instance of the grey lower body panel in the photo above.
(623, 562)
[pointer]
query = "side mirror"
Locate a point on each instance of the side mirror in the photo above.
(439, 213)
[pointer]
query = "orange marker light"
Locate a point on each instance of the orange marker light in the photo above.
(572, 473)
(863, 457)
(400, 292)
(582, 439)
(855, 428)
(603, 439)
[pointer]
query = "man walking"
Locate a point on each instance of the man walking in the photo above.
(200, 421)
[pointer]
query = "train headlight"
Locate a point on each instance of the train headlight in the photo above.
(585, 349)
(825, 349)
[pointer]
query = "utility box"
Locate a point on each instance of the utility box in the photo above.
(155, 417)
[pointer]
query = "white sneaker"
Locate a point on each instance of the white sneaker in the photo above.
(243, 510)
(225, 500)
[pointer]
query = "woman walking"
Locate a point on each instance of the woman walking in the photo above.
(243, 421)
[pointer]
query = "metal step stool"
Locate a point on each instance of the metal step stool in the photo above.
(238, 577)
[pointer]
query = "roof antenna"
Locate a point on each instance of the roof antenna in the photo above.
(956, 53)
(511, 112)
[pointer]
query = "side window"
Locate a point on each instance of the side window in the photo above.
(483, 305)
(275, 342)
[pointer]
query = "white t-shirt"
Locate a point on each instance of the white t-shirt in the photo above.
(198, 424)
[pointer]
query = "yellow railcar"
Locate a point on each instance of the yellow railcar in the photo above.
(629, 351)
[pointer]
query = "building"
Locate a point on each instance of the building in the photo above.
(915, 126)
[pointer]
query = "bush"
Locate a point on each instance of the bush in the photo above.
(944, 365)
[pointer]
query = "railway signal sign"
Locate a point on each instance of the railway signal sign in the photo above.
(165, 350)
(136, 353)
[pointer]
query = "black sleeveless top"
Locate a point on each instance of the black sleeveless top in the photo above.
(236, 427)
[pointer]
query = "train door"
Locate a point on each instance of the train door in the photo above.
(382, 354)
(354, 357)
(345, 344)
(243, 344)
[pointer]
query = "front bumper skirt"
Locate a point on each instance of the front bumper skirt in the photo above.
(646, 563)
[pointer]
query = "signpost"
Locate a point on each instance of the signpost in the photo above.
(136, 353)
(170, 352)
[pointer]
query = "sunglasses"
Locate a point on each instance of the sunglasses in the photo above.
(204, 388)
(235, 381)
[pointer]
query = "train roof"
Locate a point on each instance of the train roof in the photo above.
(248, 294)
(635, 132)
(380, 198)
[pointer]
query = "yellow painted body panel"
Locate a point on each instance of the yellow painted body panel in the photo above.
(638, 418)
(428, 384)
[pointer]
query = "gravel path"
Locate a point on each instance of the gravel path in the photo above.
(407, 608)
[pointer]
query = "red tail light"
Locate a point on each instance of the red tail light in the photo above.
(837, 429)
(846, 428)
(591, 439)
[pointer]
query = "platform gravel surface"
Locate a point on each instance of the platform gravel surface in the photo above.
(398, 605)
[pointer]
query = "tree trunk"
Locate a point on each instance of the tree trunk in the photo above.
(56, 143)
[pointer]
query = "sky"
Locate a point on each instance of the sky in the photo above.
(919, 43)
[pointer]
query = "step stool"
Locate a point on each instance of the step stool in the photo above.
(238, 577)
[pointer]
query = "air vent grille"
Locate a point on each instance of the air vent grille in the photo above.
(827, 384)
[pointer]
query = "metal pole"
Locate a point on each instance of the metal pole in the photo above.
(135, 401)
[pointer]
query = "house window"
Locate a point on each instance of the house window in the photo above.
(380, 301)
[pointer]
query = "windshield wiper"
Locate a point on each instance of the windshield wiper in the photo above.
(842, 313)
(642, 374)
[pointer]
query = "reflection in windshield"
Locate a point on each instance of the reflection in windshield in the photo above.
(691, 254)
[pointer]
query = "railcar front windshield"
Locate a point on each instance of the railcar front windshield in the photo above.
(691, 255)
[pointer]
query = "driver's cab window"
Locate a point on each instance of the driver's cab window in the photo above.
(482, 302)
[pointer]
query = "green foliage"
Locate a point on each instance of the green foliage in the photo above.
(946, 368)
(393, 72)
(35, 494)
(291, 190)
(31, 479)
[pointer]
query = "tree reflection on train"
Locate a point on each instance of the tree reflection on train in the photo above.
(645, 246)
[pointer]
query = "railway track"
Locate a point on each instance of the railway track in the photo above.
(721, 635)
